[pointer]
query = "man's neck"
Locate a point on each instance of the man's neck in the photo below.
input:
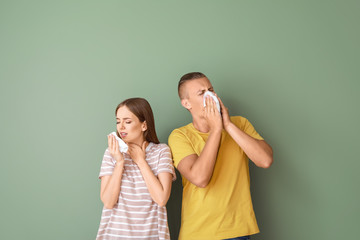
(201, 124)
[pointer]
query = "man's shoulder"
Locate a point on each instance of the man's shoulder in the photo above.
(185, 134)
(181, 130)
(239, 120)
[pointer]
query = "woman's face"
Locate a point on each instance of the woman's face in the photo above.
(129, 126)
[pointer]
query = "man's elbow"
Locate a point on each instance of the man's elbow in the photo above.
(267, 162)
(201, 183)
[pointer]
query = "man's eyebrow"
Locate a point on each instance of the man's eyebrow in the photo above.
(202, 90)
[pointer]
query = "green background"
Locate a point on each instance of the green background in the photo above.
(290, 67)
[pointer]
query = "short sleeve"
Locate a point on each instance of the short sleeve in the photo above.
(180, 146)
(165, 162)
(107, 165)
(246, 126)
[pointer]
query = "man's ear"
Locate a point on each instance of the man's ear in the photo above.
(185, 103)
(144, 126)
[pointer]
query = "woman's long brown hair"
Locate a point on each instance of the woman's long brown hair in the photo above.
(142, 110)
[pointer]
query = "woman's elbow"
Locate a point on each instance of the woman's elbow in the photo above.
(108, 204)
(161, 203)
(162, 200)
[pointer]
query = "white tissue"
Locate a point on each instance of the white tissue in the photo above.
(211, 94)
(123, 147)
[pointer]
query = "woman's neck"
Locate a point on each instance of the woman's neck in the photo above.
(140, 142)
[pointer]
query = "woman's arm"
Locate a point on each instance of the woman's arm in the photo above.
(159, 187)
(110, 185)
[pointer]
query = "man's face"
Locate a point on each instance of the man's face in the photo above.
(194, 95)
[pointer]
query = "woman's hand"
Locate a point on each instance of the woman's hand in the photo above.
(136, 152)
(113, 147)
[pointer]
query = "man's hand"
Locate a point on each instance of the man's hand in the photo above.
(224, 113)
(212, 115)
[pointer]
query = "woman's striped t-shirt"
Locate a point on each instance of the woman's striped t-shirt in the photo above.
(136, 215)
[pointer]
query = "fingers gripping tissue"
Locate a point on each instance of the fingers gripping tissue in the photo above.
(123, 147)
(211, 94)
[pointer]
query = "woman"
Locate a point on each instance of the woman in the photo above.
(136, 185)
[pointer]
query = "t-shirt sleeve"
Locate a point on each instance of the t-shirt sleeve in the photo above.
(165, 162)
(180, 146)
(246, 126)
(107, 165)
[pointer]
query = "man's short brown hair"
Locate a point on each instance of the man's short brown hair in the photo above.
(188, 77)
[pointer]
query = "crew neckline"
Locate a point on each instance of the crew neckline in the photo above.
(193, 127)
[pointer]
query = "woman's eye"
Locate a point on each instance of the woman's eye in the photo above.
(117, 122)
(127, 122)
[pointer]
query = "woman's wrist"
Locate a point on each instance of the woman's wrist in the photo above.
(141, 163)
(119, 164)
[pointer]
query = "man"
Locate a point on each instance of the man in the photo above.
(211, 153)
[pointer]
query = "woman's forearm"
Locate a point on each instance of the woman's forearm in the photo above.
(159, 191)
(110, 188)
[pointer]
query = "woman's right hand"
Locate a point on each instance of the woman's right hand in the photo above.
(113, 147)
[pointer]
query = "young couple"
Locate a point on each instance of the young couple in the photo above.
(211, 153)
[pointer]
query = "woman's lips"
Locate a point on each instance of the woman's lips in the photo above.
(122, 134)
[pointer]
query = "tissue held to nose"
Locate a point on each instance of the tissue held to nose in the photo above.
(211, 94)
(123, 147)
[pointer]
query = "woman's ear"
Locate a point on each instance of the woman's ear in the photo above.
(144, 126)
(185, 103)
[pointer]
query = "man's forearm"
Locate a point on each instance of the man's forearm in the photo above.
(204, 166)
(257, 150)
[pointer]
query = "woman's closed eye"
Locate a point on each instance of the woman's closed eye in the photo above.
(127, 122)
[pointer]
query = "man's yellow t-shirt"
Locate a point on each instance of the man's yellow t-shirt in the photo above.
(223, 209)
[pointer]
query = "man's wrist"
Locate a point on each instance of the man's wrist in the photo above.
(227, 125)
(216, 130)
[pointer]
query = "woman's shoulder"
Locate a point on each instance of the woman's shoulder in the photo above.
(159, 147)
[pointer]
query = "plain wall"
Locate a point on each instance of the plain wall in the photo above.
(290, 67)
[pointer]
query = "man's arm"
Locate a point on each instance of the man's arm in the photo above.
(199, 169)
(257, 150)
